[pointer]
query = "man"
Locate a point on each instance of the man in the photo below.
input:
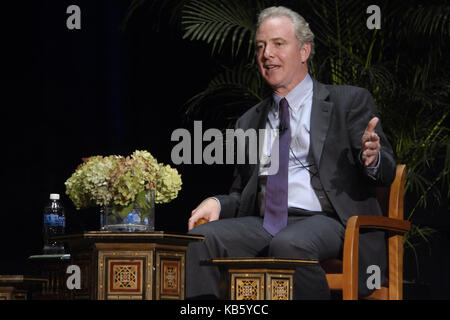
(332, 153)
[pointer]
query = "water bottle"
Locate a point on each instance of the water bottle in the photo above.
(54, 224)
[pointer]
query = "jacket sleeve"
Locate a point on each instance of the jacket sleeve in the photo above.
(361, 112)
(230, 202)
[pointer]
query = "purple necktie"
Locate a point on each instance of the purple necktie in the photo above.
(276, 195)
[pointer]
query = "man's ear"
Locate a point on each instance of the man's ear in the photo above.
(305, 51)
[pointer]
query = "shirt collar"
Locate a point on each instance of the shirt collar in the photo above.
(296, 96)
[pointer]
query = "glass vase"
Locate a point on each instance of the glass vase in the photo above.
(138, 217)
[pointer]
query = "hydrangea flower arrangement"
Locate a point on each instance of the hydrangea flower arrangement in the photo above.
(119, 181)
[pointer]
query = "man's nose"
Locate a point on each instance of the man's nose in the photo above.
(267, 52)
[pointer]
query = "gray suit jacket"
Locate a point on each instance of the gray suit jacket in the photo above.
(339, 116)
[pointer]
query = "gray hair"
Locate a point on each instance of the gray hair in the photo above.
(301, 28)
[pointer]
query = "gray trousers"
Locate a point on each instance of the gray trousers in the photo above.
(308, 236)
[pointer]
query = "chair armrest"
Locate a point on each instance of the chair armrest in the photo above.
(351, 246)
(200, 222)
(383, 223)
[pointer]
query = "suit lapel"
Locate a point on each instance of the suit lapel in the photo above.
(249, 194)
(259, 122)
(320, 119)
(263, 111)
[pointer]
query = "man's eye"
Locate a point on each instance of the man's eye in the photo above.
(278, 44)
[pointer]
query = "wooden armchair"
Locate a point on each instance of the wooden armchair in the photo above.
(343, 274)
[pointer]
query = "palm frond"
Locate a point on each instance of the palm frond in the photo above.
(420, 144)
(134, 5)
(158, 11)
(338, 21)
(446, 175)
(419, 234)
(230, 93)
(342, 34)
(216, 22)
(428, 20)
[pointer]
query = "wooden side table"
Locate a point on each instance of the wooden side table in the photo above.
(53, 268)
(19, 287)
(149, 266)
(258, 278)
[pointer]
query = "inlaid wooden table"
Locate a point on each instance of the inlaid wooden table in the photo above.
(258, 278)
(53, 268)
(148, 266)
(20, 287)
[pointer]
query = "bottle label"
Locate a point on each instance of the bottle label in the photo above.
(54, 220)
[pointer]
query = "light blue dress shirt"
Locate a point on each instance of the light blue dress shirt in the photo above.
(300, 192)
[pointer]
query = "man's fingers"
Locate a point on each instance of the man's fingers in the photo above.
(369, 157)
(369, 161)
(374, 137)
(371, 145)
(370, 153)
(371, 127)
(191, 223)
(193, 218)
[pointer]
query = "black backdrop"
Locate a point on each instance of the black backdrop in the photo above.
(95, 91)
(68, 94)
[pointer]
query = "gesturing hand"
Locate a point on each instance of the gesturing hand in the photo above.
(370, 144)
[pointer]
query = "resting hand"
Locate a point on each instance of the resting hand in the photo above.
(370, 144)
(209, 210)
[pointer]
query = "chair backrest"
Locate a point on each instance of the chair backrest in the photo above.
(391, 198)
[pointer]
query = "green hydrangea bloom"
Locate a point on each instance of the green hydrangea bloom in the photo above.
(168, 185)
(88, 186)
(117, 180)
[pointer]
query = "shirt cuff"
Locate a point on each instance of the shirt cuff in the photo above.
(372, 171)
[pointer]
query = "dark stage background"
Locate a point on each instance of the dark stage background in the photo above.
(69, 94)
(95, 91)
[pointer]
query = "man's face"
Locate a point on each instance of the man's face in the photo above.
(281, 63)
